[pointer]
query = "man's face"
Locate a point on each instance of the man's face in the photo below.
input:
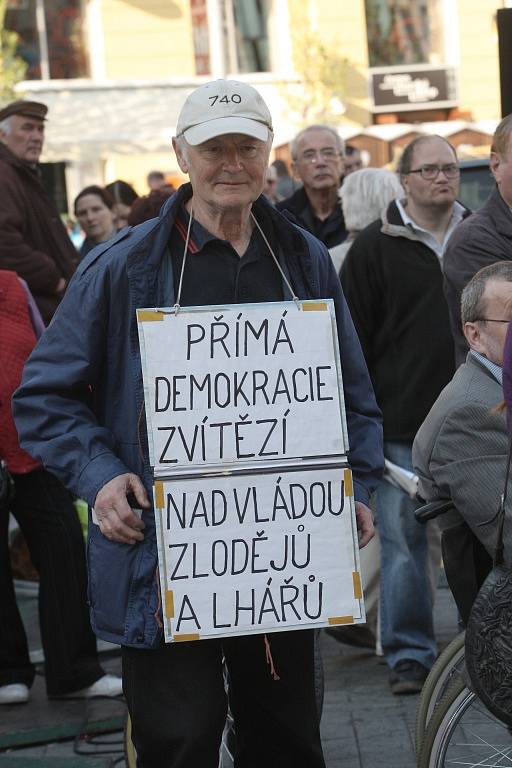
(486, 337)
(501, 167)
(319, 163)
(25, 138)
(227, 172)
(352, 163)
(440, 192)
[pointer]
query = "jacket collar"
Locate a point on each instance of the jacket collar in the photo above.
(144, 259)
(10, 158)
(393, 225)
(499, 212)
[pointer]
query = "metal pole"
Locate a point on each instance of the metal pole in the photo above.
(43, 40)
(505, 58)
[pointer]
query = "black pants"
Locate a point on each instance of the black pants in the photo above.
(177, 702)
(49, 522)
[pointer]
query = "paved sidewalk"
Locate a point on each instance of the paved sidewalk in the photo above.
(363, 725)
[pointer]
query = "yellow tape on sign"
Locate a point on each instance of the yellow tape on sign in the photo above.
(358, 590)
(184, 638)
(315, 306)
(169, 604)
(159, 494)
(149, 315)
(349, 486)
(341, 620)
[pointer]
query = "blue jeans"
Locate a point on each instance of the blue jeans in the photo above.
(406, 620)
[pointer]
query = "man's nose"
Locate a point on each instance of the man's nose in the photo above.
(232, 158)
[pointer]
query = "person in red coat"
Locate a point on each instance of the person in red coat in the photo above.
(33, 240)
(47, 517)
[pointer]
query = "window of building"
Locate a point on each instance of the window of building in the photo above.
(404, 32)
(50, 37)
(251, 31)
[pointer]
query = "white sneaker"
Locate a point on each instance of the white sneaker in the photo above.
(108, 686)
(15, 693)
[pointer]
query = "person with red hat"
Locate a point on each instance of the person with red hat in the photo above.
(33, 240)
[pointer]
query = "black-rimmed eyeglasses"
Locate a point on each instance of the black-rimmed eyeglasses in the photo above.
(431, 172)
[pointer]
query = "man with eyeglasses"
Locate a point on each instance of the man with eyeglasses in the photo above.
(317, 154)
(486, 236)
(460, 450)
(393, 283)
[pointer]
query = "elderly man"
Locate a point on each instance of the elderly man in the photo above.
(33, 241)
(98, 444)
(353, 160)
(392, 279)
(485, 237)
(317, 154)
(460, 450)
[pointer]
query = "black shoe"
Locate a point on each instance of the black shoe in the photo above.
(407, 676)
(356, 635)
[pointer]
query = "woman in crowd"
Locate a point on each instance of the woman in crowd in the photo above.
(365, 194)
(124, 196)
(94, 211)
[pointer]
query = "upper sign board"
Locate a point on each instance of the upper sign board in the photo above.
(242, 383)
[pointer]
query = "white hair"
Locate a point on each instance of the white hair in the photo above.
(5, 126)
(366, 194)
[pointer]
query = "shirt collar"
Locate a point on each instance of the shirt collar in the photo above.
(496, 370)
(423, 234)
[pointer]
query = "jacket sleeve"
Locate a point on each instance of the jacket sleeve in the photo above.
(471, 247)
(466, 462)
(364, 419)
(35, 267)
(53, 407)
(357, 275)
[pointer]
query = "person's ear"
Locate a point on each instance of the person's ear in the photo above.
(473, 337)
(494, 164)
(180, 156)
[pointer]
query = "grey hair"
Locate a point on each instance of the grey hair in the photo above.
(295, 142)
(366, 194)
(5, 126)
(182, 144)
(472, 305)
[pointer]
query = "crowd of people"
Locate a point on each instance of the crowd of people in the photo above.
(422, 288)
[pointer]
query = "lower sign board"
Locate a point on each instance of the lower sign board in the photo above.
(257, 552)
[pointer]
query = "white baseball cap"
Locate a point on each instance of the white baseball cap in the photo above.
(224, 106)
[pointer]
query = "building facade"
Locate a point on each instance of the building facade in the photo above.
(115, 72)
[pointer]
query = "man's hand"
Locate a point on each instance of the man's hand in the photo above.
(365, 527)
(116, 518)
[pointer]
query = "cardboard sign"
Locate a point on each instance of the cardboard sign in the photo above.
(253, 495)
(242, 383)
(257, 553)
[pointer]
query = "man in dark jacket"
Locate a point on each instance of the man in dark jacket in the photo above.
(317, 154)
(33, 241)
(99, 445)
(485, 237)
(393, 283)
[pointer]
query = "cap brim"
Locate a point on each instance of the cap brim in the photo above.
(225, 125)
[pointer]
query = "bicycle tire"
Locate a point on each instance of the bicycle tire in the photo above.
(464, 732)
(442, 724)
(436, 685)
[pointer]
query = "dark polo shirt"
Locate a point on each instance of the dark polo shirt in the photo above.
(216, 274)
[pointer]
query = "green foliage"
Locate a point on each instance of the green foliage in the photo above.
(12, 68)
(322, 71)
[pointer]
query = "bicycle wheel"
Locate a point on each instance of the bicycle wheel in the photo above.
(462, 732)
(449, 664)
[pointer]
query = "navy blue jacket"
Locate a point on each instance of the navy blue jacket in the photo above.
(80, 406)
